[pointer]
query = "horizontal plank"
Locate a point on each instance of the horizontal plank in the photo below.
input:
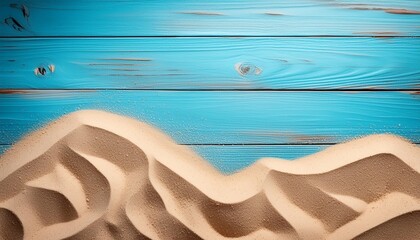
(229, 159)
(208, 17)
(228, 117)
(210, 63)
(232, 158)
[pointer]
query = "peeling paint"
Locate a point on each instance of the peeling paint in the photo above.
(43, 94)
(402, 11)
(22, 8)
(274, 14)
(292, 136)
(384, 9)
(51, 67)
(361, 6)
(12, 91)
(362, 89)
(40, 71)
(12, 22)
(379, 33)
(414, 92)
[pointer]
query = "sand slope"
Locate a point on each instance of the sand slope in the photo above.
(96, 175)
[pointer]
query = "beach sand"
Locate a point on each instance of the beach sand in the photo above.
(97, 175)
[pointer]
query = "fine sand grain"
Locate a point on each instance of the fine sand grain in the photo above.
(96, 175)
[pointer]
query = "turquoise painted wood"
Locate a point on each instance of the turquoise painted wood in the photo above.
(229, 159)
(227, 117)
(210, 63)
(209, 17)
(125, 55)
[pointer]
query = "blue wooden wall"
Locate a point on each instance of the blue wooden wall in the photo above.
(236, 80)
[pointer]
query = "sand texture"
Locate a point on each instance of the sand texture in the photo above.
(96, 175)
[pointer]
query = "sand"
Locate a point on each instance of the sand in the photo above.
(96, 175)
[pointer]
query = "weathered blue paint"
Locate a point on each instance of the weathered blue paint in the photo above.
(229, 159)
(209, 17)
(228, 117)
(210, 63)
(85, 46)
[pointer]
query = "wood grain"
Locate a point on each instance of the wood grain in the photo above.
(229, 159)
(209, 18)
(232, 158)
(230, 117)
(210, 63)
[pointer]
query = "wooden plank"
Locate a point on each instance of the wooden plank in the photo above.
(208, 17)
(232, 158)
(212, 117)
(210, 63)
(229, 159)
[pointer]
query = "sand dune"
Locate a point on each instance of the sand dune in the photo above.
(96, 175)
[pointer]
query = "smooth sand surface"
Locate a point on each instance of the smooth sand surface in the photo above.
(96, 175)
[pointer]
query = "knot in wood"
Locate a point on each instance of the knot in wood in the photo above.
(42, 70)
(247, 69)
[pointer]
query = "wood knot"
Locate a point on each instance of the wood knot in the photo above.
(247, 69)
(42, 71)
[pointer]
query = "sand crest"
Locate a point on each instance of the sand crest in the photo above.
(96, 175)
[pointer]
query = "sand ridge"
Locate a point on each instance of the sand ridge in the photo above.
(97, 175)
